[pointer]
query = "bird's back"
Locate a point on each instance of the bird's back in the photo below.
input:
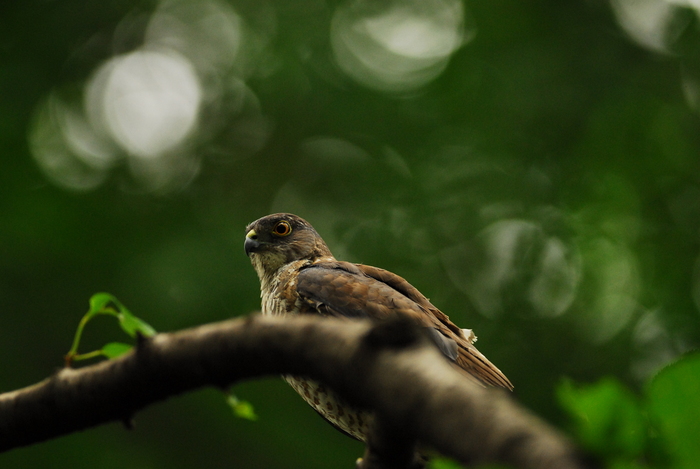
(336, 288)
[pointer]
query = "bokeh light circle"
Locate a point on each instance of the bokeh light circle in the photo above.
(400, 46)
(148, 101)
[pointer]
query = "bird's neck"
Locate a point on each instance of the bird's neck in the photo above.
(273, 282)
(273, 278)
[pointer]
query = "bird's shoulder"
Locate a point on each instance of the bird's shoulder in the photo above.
(325, 272)
(278, 291)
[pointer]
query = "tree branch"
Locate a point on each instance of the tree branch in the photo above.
(390, 368)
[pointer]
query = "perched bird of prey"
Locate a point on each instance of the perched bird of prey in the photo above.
(299, 275)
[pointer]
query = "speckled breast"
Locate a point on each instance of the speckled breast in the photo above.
(332, 407)
(279, 298)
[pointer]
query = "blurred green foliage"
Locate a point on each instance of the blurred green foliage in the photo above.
(533, 168)
(660, 429)
(608, 418)
(621, 430)
(673, 403)
(242, 409)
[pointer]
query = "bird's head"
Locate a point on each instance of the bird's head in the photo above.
(278, 239)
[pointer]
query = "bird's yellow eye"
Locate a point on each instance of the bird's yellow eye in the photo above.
(282, 228)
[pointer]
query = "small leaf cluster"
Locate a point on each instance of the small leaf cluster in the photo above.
(106, 304)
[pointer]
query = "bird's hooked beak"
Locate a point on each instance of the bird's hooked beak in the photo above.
(251, 242)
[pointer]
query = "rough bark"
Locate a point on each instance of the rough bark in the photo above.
(390, 368)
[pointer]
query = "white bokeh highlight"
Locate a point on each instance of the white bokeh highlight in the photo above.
(650, 23)
(156, 109)
(400, 46)
(148, 101)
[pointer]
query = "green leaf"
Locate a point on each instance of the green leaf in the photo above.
(674, 403)
(131, 324)
(241, 409)
(607, 418)
(115, 349)
(98, 302)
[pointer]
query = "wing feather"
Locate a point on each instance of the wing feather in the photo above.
(336, 288)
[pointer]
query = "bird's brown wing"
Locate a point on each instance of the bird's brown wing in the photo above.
(343, 289)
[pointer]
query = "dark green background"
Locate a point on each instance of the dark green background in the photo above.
(551, 120)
